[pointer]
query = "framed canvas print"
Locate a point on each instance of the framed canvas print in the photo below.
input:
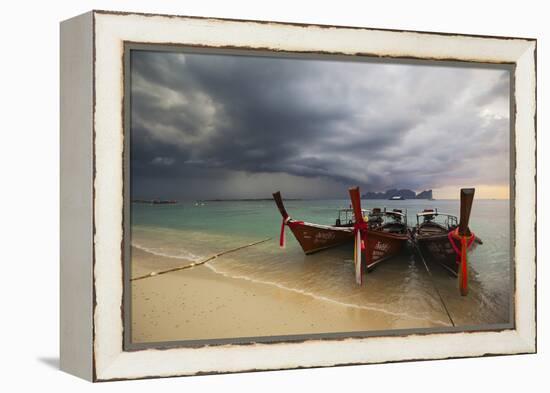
(245, 195)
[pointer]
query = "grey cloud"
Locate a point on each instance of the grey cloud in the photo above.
(336, 123)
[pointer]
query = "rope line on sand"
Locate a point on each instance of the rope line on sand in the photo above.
(175, 269)
(434, 285)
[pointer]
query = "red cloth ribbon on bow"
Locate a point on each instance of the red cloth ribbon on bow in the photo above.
(286, 221)
(462, 256)
(360, 230)
(282, 242)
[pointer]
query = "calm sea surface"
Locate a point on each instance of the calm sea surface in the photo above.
(399, 287)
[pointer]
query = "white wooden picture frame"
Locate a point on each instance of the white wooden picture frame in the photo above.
(93, 191)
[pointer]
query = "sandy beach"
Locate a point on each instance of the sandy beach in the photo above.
(200, 303)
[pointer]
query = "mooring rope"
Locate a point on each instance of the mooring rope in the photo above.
(153, 274)
(434, 285)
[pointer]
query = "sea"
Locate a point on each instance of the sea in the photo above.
(403, 287)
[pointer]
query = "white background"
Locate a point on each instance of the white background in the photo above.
(29, 196)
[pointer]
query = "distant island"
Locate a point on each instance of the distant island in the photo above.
(247, 200)
(156, 201)
(396, 194)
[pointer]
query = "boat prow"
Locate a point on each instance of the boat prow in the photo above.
(448, 241)
(386, 234)
(311, 237)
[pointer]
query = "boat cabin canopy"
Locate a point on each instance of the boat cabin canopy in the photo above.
(432, 215)
(382, 217)
(396, 214)
(346, 216)
(374, 215)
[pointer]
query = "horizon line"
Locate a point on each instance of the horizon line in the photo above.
(309, 199)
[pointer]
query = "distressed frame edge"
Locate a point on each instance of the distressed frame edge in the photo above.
(526, 196)
(528, 340)
(304, 24)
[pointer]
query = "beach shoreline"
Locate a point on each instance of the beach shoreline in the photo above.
(201, 303)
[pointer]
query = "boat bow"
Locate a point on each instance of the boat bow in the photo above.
(464, 236)
(311, 237)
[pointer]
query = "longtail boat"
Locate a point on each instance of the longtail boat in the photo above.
(379, 236)
(315, 237)
(440, 237)
(383, 233)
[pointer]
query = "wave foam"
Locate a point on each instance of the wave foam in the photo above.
(177, 254)
(184, 254)
(324, 298)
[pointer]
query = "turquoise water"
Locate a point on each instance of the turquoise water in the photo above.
(401, 286)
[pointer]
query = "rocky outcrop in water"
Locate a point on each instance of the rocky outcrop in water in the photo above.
(404, 193)
(427, 194)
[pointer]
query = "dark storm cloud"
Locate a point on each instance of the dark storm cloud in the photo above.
(314, 126)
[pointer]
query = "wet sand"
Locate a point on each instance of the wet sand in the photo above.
(199, 303)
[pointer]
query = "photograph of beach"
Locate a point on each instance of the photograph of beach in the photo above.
(278, 197)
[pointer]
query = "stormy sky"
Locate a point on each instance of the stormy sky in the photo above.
(207, 126)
